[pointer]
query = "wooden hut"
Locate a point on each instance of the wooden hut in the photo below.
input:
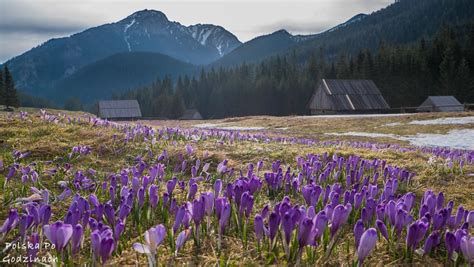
(440, 104)
(119, 109)
(191, 114)
(347, 96)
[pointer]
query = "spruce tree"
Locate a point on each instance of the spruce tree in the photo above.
(10, 96)
(2, 89)
(177, 105)
(447, 71)
(463, 81)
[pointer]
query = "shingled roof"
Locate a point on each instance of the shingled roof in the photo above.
(347, 95)
(119, 109)
(441, 103)
(191, 114)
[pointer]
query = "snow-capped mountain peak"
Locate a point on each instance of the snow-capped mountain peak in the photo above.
(214, 36)
(151, 23)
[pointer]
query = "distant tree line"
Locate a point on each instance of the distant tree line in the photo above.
(283, 85)
(8, 95)
(162, 98)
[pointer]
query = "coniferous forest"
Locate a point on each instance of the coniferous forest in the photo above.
(282, 85)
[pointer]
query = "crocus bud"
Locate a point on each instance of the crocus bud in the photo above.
(358, 231)
(367, 244)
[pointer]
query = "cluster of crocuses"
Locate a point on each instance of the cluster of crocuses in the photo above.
(80, 150)
(340, 195)
(28, 172)
(336, 191)
(147, 133)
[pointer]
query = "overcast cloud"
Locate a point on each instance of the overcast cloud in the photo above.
(25, 24)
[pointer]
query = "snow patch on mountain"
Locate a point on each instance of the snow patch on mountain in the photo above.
(127, 26)
(214, 36)
(356, 18)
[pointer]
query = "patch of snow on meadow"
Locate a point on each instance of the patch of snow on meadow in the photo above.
(355, 115)
(363, 134)
(458, 139)
(444, 121)
(228, 128)
(393, 124)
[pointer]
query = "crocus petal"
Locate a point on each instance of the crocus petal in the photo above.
(141, 248)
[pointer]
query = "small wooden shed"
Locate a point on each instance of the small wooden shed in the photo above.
(347, 96)
(119, 109)
(440, 104)
(191, 114)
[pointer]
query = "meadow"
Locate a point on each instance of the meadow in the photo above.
(236, 191)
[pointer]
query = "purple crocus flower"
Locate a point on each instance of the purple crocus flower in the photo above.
(192, 191)
(179, 218)
(431, 242)
(320, 223)
(198, 211)
(208, 203)
(217, 187)
(254, 185)
(246, 204)
(24, 223)
(339, 217)
(467, 248)
(153, 195)
(124, 211)
(304, 234)
(109, 212)
(451, 243)
(459, 215)
(358, 231)
(34, 240)
(170, 185)
(264, 212)
(102, 243)
(118, 229)
(141, 196)
(77, 237)
(259, 227)
(273, 224)
(224, 218)
(153, 238)
(383, 229)
(470, 219)
(288, 225)
(181, 239)
(367, 244)
(58, 233)
(189, 149)
(416, 232)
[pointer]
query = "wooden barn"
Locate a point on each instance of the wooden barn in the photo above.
(440, 104)
(191, 114)
(347, 96)
(119, 109)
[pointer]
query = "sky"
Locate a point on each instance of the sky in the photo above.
(25, 24)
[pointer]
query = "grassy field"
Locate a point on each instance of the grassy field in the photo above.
(48, 141)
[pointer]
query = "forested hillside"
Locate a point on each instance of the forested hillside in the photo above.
(404, 22)
(405, 74)
(118, 73)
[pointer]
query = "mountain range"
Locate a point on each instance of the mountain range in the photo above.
(144, 46)
(43, 68)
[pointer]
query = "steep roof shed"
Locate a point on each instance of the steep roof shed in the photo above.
(441, 104)
(347, 96)
(119, 109)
